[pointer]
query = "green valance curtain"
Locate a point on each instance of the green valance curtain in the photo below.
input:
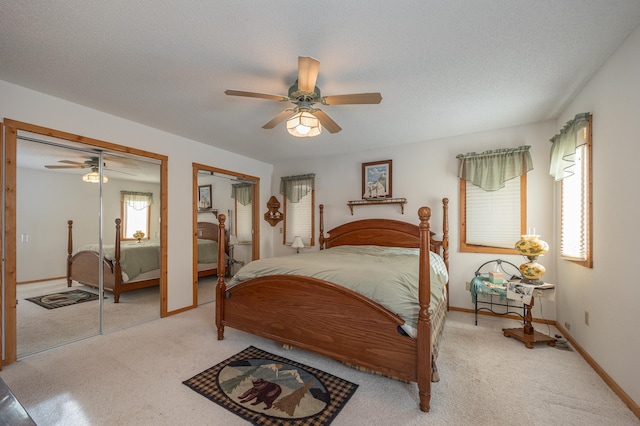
(242, 193)
(491, 169)
(296, 187)
(136, 200)
(571, 136)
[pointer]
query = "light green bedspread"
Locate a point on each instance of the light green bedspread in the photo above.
(386, 275)
(135, 258)
(138, 258)
(207, 251)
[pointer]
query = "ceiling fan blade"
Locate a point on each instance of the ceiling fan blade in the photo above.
(326, 121)
(307, 73)
(356, 98)
(277, 119)
(75, 163)
(256, 95)
(64, 167)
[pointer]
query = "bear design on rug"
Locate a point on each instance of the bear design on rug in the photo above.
(262, 391)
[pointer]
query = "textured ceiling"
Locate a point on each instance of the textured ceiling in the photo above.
(444, 67)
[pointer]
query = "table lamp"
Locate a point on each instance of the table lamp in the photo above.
(531, 246)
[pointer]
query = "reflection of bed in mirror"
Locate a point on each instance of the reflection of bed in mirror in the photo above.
(208, 248)
(129, 265)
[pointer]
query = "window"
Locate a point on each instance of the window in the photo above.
(493, 219)
(571, 165)
(136, 211)
(493, 202)
(243, 194)
(299, 202)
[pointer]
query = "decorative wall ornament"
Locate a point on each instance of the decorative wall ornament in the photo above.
(273, 215)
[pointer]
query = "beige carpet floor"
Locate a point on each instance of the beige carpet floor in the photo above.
(134, 377)
(40, 329)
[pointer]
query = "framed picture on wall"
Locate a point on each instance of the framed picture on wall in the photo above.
(376, 180)
(204, 197)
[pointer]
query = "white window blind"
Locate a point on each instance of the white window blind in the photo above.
(493, 217)
(244, 223)
(574, 233)
(298, 220)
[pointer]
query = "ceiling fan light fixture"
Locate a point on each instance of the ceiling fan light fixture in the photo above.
(94, 177)
(303, 124)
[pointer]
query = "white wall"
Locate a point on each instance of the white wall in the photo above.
(609, 291)
(424, 173)
(19, 103)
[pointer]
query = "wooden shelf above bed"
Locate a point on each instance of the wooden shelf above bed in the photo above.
(377, 201)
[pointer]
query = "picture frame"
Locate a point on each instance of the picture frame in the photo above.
(204, 198)
(376, 180)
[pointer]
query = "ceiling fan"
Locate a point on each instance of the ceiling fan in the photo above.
(92, 163)
(304, 119)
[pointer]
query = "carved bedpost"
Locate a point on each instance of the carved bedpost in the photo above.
(424, 318)
(221, 287)
(321, 227)
(117, 273)
(69, 251)
(445, 239)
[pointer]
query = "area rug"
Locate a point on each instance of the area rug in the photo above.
(64, 298)
(267, 389)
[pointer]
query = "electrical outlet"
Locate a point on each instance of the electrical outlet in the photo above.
(567, 325)
(586, 317)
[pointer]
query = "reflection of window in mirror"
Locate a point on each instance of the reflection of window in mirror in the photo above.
(243, 222)
(136, 213)
(242, 193)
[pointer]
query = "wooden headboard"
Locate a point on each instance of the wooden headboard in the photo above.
(379, 232)
(209, 231)
(386, 232)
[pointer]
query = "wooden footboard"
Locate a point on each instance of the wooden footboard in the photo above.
(278, 307)
(84, 268)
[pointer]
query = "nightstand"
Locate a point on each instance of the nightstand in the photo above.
(527, 334)
(233, 264)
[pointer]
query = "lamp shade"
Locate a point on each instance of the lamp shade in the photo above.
(297, 243)
(303, 124)
(532, 245)
(94, 177)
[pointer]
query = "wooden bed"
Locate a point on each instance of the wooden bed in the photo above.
(83, 265)
(337, 322)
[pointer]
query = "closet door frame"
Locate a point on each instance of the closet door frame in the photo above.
(8, 169)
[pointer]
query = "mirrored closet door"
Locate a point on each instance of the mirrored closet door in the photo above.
(235, 196)
(75, 204)
(55, 195)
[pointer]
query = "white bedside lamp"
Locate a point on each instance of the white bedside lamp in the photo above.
(297, 244)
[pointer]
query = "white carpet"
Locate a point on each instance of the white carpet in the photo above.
(134, 377)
